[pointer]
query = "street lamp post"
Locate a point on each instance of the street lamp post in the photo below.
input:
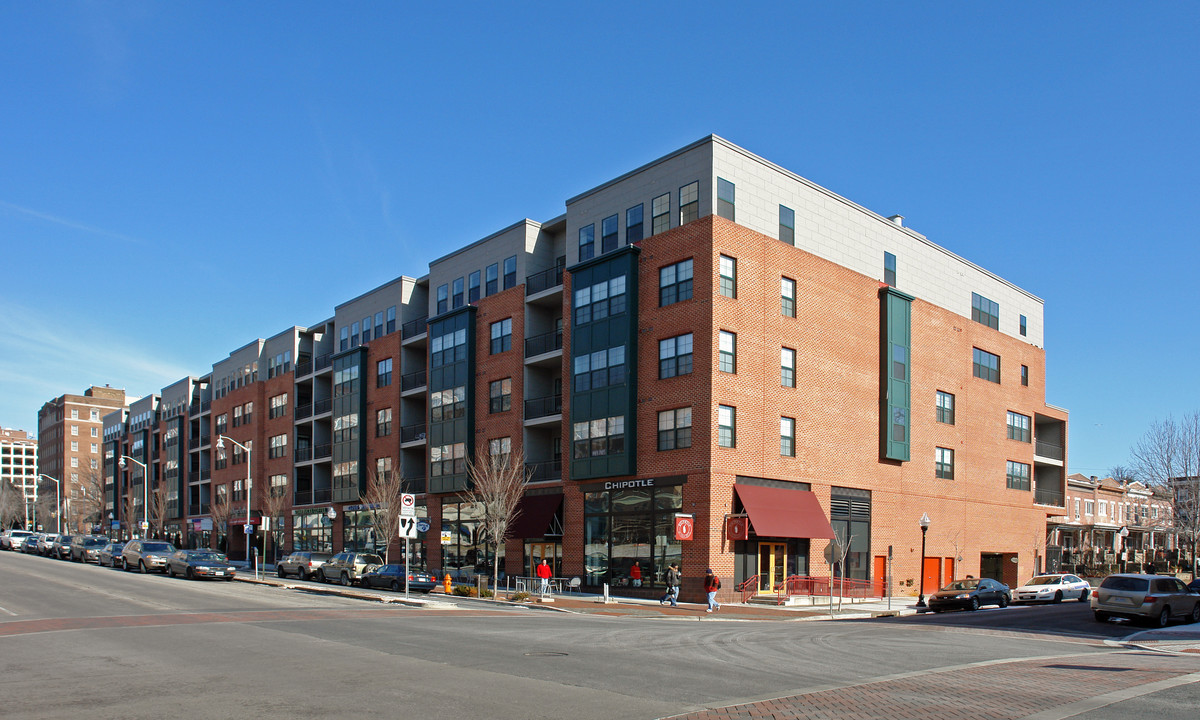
(145, 490)
(57, 502)
(1124, 546)
(221, 446)
(924, 529)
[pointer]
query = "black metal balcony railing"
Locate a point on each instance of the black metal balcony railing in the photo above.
(304, 411)
(413, 327)
(544, 280)
(1051, 450)
(323, 361)
(543, 406)
(544, 343)
(547, 470)
(414, 484)
(304, 454)
(409, 433)
(411, 380)
(323, 495)
(323, 451)
(193, 443)
(321, 407)
(1048, 496)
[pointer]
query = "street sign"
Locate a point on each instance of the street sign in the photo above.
(249, 529)
(422, 526)
(446, 539)
(266, 523)
(408, 504)
(144, 525)
(408, 527)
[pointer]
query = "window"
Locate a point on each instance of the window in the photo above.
(510, 272)
(726, 417)
(1018, 427)
(787, 225)
(689, 203)
(448, 460)
(787, 436)
(502, 336)
(457, 297)
(278, 406)
(473, 287)
(74, 413)
(945, 408)
(728, 271)
(344, 342)
(984, 311)
(75, 462)
(787, 297)
(448, 348)
(675, 283)
(383, 373)
(237, 416)
(391, 319)
(378, 325)
(383, 469)
(602, 436)
(596, 302)
(633, 225)
(493, 275)
(353, 336)
(74, 446)
(675, 429)
(1103, 507)
(443, 298)
(889, 269)
(448, 404)
(500, 395)
(278, 446)
(383, 422)
(1076, 508)
(725, 198)
(1023, 326)
(1025, 375)
(95, 448)
(727, 345)
(366, 329)
(608, 234)
(95, 432)
(787, 367)
(74, 429)
(1017, 476)
(587, 242)
(1089, 507)
(278, 486)
(95, 415)
(986, 365)
(660, 214)
(500, 449)
(599, 369)
(675, 356)
(944, 464)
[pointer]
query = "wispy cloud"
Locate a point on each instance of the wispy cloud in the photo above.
(74, 225)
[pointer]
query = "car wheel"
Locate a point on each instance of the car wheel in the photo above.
(280, 573)
(1164, 617)
(1083, 596)
(170, 571)
(1100, 616)
(191, 575)
(346, 579)
(1003, 601)
(974, 604)
(124, 564)
(396, 587)
(1195, 616)
(302, 574)
(1058, 596)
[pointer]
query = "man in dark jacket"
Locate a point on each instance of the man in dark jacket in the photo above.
(673, 578)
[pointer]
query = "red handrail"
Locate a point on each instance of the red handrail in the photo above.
(748, 587)
(812, 586)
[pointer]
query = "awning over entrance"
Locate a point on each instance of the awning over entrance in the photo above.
(778, 512)
(536, 513)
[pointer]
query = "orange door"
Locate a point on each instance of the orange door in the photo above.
(948, 569)
(880, 575)
(932, 574)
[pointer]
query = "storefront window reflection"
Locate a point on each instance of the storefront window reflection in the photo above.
(627, 527)
(468, 554)
(312, 530)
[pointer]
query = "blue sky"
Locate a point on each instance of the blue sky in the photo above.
(181, 178)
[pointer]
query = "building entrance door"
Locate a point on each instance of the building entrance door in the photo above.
(772, 565)
(537, 551)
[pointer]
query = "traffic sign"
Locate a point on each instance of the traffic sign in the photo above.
(408, 527)
(446, 539)
(408, 504)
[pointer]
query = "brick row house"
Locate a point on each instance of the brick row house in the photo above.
(708, 339)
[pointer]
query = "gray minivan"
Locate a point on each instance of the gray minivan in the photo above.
(1153, 598)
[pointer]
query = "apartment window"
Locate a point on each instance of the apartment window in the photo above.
(1017, 475)
(493, 278)
(728, 276)
(345, 429)
(787, 367)
(675, 356)
(1023, 326)
(510, 272)
(366, 329)
(74, 446)
(726, 418)
(1025, 375)
(1089, 507)
(601, 368)
(74, 429)
(660, 214)
(984, 311)
(944, 464)
(278, 446)
(601, 436)
(74, 462)
(237, 416)
(278, 406)
(239, 490)
(1103, 506)
(787, 436)
(889, 269)
(945, 408)
(787, 297)
(1076, 508)
(278, 485)
(378, 326)
(448, 404)
(727, 345)
(353, 339)
(249, 415)
(383, 469)
(473, 287)
(448, 459)
(787, 225)
(689, 203)
(675, 429)
(587, 242)
(95, 448)
(502, 336)
(383, 373)
(633, 225)
(675, 283)
(343, 344)
(222, 422)
(95, 432)
(95, 415)
(391, 319)
(500, 449)
(443, 298)
(986, 365)
(1018, 427)
(74, 413)
(383, 422)
(596, 302)
(500, 395)
(725, 199)
(608, 234)
(457, 297)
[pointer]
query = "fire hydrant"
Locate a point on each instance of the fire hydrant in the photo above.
(446, 583)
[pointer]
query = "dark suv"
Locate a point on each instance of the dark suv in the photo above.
(146, 555)
(345, 567)
(301, 564)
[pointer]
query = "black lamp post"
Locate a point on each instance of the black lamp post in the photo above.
(924, 529)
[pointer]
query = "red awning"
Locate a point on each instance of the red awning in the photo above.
(779, 512)
(536, 512)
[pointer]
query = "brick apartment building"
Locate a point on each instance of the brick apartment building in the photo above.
(708, 337)
(1112, 525)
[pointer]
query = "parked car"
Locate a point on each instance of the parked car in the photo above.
(194, 564)
(970, 594)
(302, 564)
(1053, 588)
(30, 544)
(146, 555)
(12, 539)
(345, 567)
(61, 547)
(392, 577)
(110, 554)
(45, 542)
(1194, 585)
(1152, 598)
(86, 548)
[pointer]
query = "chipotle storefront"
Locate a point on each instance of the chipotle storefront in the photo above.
(629, 531)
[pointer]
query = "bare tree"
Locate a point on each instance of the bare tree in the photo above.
(273, 506)
(1123, 474)
(219, 510)
(128, 510)
(88, 508)
(841, 548)
(12, 504)
(382, 500)
(1168, 457)
(158, 508)
(497, 486)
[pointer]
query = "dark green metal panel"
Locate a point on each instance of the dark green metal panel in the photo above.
(896, 405)
(451, 372)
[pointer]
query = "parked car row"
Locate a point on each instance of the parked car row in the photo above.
(349, 568)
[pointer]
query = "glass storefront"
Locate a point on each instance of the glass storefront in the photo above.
(358, 533)
(312, 530)
(468, 553)
(631, 526)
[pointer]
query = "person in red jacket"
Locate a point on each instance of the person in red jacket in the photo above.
(712, 584)
(635, 574)
(543, 572)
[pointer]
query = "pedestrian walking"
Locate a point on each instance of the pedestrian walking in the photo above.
(543, 572)
(673, 578)
(712, 584)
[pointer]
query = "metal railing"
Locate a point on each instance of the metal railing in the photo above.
(543, 406)
(1049, 449)
(323, 361)
(409, 381)
(413, 327)
(543, 280)
(410, 433)
(546, 470)
(304, 367)
(414, 485)
(304, 411)
(1048, 496)
(321, 407)
(303, 454)
(323, 451)
(807, 585)
(544, 343)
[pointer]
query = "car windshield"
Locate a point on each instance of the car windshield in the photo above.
(1126, 584)
(1045, 580)
(95, 542)
(962, 585)
(157, 547)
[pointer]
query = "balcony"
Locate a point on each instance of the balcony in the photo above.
(413, 328)
(414, 485)
(304, 411)
(312, 497)
(412, 433)
(320, 407)
(1048, 496)
(412, 380)
(543, 471)
(544, 343)
(304, 366)
(543, 280)
(323, 361)
(303, 454)
(543, 406)
(1050, 450)
(321, 452)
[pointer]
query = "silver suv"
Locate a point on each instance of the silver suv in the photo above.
(345, 567)
(1153, 598)
(146, 555)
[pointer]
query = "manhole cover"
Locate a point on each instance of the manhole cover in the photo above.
(545, 654)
